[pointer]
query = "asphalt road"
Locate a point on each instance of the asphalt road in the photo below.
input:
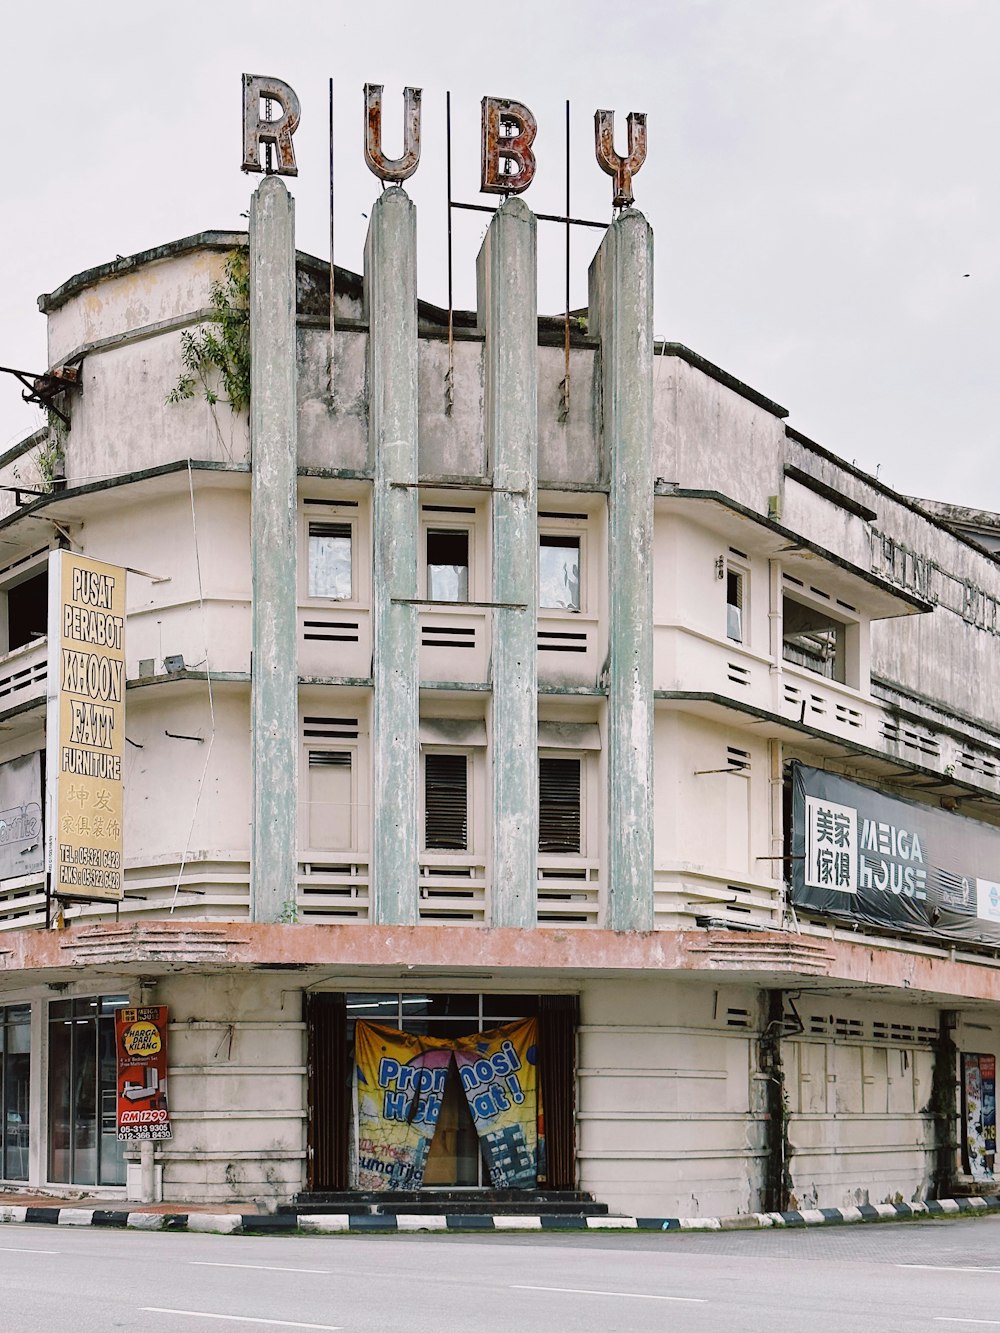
(924, 1277)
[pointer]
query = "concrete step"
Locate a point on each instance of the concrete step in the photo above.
(459, 1203)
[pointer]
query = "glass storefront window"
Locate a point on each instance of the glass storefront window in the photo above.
(15, 1059)
(83, 1138)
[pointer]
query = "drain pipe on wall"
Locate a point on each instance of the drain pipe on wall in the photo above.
(943, 1107)
(777, 1184)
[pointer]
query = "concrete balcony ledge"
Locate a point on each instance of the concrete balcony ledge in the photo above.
(544, 958)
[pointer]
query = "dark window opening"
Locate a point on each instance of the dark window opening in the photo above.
(446, 802)
(448, 564)
(734, 606)
(15, 1061)
(558, 805)
(28, 611)
(814, 640)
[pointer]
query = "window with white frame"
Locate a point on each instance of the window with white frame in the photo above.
(330, 800)
(447, 552)
(330, 777)
(330, 559)
(559, 571)
(735, 599)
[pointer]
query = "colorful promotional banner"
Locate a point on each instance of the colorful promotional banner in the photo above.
(400, 1083)
(979, 1114)
(141, 1046)
(86, 726)
(860, 855)
(499, 1073)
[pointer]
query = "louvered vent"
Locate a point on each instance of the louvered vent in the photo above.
(561, 641)
(446, 805)
(558, 805)
(326, 728)
(448, 636)
(330, 759)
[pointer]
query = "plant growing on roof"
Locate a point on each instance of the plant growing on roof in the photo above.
(219, 351)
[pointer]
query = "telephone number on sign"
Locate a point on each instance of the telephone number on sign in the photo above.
(130, 1133)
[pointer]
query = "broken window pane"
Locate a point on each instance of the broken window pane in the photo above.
(559, 571)
(448, 565)
(734, 606)
(330, 561)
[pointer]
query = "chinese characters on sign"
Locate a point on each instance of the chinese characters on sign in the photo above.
(141, 1046)
(863, 855)
(86, 726)
(832, 845)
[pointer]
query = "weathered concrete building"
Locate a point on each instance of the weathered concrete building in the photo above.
(458, 695)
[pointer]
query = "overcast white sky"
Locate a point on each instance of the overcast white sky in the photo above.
(821, 176)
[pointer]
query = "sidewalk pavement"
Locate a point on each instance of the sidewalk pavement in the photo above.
(229, 1218)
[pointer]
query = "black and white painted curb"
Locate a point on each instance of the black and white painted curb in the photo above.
(328, 1223)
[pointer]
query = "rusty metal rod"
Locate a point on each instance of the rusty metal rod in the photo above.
(542, 217)
(332, 275)
(568, 233)
(451, 301)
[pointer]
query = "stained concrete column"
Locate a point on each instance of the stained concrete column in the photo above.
(621, 314)
(507, 277)
(391, 302)
(274, 676)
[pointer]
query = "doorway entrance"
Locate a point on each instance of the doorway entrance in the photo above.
(455, 1157)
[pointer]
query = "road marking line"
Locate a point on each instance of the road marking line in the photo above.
(267, 1268)
(23, 1249)
(947, 1319)
(950, 1268)
(632, 1295)
(238, 1318)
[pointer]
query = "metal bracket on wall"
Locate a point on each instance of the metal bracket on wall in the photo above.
(43, 389)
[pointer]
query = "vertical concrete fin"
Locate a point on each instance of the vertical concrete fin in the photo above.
(507, 273)
(274, 684)
(621, 310)
(391, 300)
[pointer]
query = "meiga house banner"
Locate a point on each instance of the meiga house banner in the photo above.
(401, 1080)
(861, 855)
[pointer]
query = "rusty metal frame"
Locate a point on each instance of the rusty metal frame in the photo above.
(43, 389)
(395, 169)
(621, 168)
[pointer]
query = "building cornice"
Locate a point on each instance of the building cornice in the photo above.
(328, 956)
